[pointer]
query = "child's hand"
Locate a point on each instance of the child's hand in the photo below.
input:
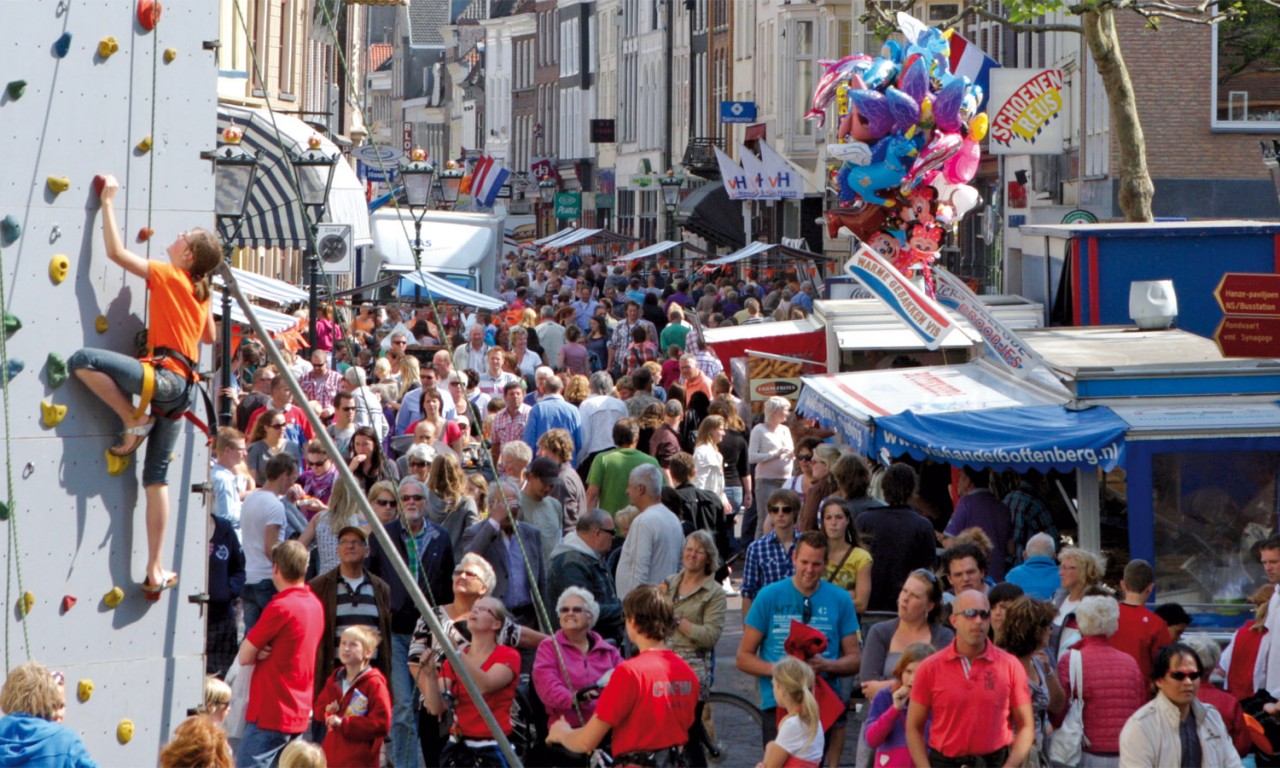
(333, 722)
(332, 708)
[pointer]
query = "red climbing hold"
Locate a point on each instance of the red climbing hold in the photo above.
(145, 234)
(68, 601)
(99, 183)
(149, 13)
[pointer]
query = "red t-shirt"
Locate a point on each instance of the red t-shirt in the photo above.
(649, 702)
(970, 711)
(1141, 635)
(177, 319)
(283, 684)
(294, 417)
(468, 717)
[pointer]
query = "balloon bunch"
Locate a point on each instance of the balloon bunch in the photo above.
(907, 146)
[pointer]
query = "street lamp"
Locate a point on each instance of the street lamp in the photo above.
(234, 171)
(315, 171)
(418, 191)
(450, 184)
(671, 184)
(547, 191)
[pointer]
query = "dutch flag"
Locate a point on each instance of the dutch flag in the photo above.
(968, 60)
(487, 180)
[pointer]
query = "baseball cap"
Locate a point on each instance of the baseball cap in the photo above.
(362, 533)
(545, 469)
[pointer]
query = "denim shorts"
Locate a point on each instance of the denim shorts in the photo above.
(171, 398)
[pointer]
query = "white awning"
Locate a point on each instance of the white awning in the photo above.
(273, 321)
(447, 291)
(264, 287)
(549, 238)
(752, 249)
(569, 238)
(275, 218)
(652, 250)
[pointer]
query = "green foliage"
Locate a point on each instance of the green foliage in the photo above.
(1248, 40)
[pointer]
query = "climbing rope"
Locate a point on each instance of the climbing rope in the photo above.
(14, 566)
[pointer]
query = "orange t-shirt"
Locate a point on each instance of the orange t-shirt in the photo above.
(177, 318)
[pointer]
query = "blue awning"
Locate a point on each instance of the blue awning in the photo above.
(443, 290)
(1043, 437)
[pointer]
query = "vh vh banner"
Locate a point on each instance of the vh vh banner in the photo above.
(1027, 111)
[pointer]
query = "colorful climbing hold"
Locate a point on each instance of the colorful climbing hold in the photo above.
(62, 46)
(58, 184)
(124, 731)
(101, 324)
(170, 54)
(11, 323)
(99, 183)
(55, 370)
(107, 46)
(149, 13)
(14, 367)
(114, 597)
(4, 510)
(59, 268)
(51, 414)
(116, 465)
(10, 231)
(69, 602)
(15, 89)
(84, 689)
(145, 234)
(28, 602)
(144, 146)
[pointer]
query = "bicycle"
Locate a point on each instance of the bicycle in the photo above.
(734, 724)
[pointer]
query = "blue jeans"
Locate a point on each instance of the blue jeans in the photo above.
(404, 717)
(260, 748)
(171, 398)
(254, 597)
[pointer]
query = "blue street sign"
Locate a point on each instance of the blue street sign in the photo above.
(737, 111)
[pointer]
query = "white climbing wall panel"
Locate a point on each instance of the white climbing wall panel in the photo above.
(75, 530)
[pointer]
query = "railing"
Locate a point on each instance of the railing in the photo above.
(700, 156)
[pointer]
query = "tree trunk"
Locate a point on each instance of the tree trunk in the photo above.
(1136, 189)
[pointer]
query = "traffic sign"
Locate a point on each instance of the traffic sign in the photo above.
(1256, 295)
(737, 111)
(1248, 336)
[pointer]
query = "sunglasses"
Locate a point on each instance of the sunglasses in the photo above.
(347, 408)
(279, 425)
(387, 503)
(466, 574)
(417, 463)
(784, 509)
(804, 457)
(572, 609)
(975, 613)
(412, 498)
(1180, 676)
(316, 464)
(806, 611)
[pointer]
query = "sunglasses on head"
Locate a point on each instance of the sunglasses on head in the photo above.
(1180, 676)
(975, 613)
(926, 574)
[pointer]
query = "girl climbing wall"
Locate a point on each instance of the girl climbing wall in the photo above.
(180, 318)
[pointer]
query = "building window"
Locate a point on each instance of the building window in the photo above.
(287, 25)
(804, 58)
(258, 62)
(1246, 70)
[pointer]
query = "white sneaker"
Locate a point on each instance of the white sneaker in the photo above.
(727, 586)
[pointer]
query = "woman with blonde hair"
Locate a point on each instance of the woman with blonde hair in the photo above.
(323, 528)
(448, 504)
(577, 390)
(384, 497)
(825, 456)
(368, 406)
(382, 370)
(708, 464)
(410, 376)
(799, 743)
(772, 451)
(34, 701)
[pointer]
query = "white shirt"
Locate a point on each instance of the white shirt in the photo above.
(599, 413)
(1266, 671)
(260, 509)
(652, 549)
(792, 738)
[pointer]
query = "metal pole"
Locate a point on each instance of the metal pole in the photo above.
(393, 555)
(226, 410)
(313, 267)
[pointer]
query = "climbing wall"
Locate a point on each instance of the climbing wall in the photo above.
(91, 89)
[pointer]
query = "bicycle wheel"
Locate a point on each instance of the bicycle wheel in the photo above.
(733, 729)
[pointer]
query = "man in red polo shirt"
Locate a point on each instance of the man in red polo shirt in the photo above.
(280, 653)
(1142, 633)
(971, 689)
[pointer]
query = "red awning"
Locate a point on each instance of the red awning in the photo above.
(756, 132)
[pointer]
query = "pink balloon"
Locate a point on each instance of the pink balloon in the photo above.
(963, 165)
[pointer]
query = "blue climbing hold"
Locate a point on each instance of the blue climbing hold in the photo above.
(10, 231)
(14, 367)
(63, 46)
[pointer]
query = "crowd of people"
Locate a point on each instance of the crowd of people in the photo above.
(577, 490)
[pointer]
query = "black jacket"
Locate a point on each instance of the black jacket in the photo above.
(435, 574)
(571, 566)
(226, 564)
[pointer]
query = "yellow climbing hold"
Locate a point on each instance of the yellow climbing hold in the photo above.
(51, 414)
(144, 146)
(116, 465)
(114, 597)
(28, 602)
(170, 54)
(58, 184)
(107, 46)
(59, 268)
(100, 324)
(124, 731)
(84, 689)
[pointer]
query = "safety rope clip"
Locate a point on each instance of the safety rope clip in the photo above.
(63, 7)
(28, 470)
(54, 234)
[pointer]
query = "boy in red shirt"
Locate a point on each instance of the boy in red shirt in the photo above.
(1142, 633)
(355, 704)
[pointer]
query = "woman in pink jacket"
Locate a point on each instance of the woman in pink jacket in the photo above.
(570, 690)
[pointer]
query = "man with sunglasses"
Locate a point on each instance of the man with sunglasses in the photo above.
(343, 427)
(771, 558)
(970, 691)
(1175, 728)
(321, 383)
(809, 599)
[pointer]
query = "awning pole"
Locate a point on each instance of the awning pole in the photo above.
(1088, 502)
(375, 524)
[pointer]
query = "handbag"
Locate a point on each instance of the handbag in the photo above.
(238, 678)
(1067, 744)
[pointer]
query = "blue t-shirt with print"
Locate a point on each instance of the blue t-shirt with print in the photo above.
(830, 612)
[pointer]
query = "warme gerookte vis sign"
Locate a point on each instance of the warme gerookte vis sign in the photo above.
(1026, 111)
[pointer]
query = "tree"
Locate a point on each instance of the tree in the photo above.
(1097, 25)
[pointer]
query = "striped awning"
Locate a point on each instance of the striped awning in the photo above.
(273, 321)
(275, 218)
(652, 250)
(446, 291)
(551, 238)
(752, 249)
(263, 287)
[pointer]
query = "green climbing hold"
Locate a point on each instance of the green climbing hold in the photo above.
(15, 89)
(55, 370)
(11, 323)
(10, 231)
(4, 510)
